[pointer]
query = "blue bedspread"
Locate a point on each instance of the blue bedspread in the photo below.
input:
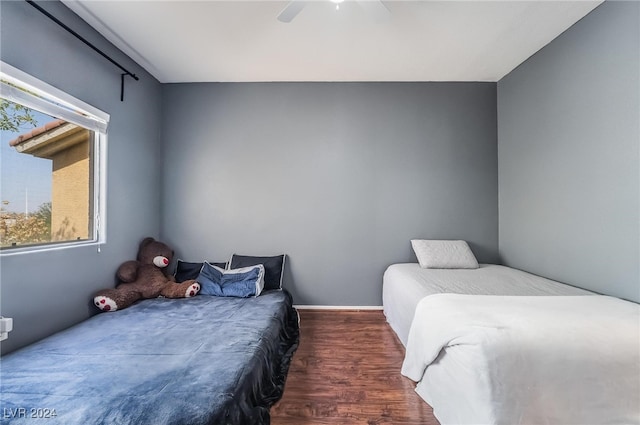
(201, 360)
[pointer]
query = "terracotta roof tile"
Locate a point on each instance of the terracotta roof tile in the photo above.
(36, 131)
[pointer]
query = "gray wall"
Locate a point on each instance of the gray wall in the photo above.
(340, 176)
(46, 292)
(569, 132)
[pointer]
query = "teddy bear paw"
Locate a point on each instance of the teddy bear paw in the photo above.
(192, 290)
(105, 303)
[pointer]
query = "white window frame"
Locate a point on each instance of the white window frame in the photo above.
(57, 103)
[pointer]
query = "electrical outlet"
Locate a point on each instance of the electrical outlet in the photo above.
(6, 326)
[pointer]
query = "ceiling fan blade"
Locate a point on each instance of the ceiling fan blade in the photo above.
(375, 8)
(291, 10)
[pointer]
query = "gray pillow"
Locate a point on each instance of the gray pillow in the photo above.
(273, 267)
(186, 270)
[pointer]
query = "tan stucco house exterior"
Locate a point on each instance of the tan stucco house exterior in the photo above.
(67, 145)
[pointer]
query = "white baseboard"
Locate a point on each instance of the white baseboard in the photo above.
(338, 307)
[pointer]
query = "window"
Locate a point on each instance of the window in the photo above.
(52, 166)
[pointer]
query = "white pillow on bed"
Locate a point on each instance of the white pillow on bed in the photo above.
(434, 254)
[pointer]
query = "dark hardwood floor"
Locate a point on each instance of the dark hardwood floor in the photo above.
(347, 371)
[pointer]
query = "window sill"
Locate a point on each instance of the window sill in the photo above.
(47, 248)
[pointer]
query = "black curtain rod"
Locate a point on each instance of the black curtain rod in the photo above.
(79, 37)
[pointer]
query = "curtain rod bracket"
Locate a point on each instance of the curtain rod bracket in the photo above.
(79, 37)
(122, 86)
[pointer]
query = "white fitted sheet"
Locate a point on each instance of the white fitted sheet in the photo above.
(404, 285)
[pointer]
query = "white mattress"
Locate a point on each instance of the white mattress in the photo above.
(527, 360)
(404, 285)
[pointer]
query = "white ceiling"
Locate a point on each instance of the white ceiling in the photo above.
(198, 41)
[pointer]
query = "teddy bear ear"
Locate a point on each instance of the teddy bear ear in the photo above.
(145, 242)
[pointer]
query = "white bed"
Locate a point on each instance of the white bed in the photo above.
(404, 285)
(527, 359)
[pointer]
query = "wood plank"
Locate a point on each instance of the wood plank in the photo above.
(347, 371)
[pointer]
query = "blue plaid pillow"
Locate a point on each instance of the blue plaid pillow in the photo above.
(244, 282)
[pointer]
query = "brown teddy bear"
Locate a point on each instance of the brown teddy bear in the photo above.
(145, 278)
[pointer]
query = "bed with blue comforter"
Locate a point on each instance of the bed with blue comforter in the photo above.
(200, 360)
